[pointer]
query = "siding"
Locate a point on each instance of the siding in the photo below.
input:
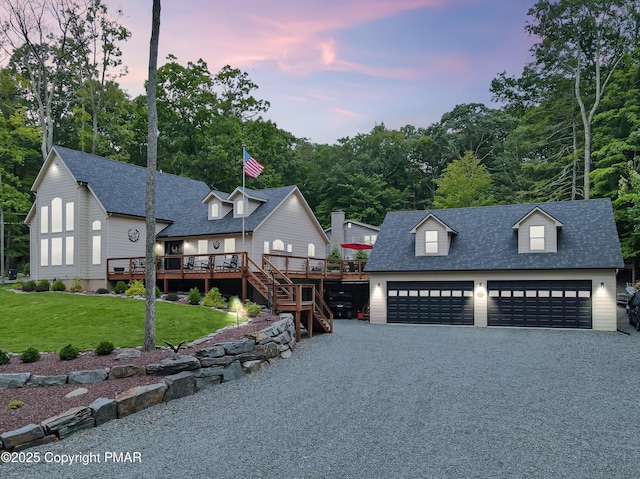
(550, 233)
(356, 233)
(603, 299)
(443, 238)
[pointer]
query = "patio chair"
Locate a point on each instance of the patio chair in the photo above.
(233, 263)
(138, 264)
(191, 261)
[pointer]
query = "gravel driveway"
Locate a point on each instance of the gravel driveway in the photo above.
(394, 402)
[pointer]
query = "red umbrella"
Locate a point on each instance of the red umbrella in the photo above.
(356, 245)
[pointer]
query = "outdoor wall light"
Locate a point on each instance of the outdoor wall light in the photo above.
(378, 285)
(602, 285)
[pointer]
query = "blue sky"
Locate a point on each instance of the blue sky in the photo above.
(332, 69)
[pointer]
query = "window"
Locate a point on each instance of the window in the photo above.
(229, 245)
(44, 252)
(96, 255)
(215, 210)
(536, 238)
(239, 208)
(430, 242)
(311, 250)
(56, 215)
(278, 245)
(56, 251)
(96, 226)
(371, 239)
(289, 248)
(265, 247)
(44, 219)
(69, 217)
(68, 252)
(202, 247)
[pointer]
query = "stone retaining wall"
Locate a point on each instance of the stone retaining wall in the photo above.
(183, 376)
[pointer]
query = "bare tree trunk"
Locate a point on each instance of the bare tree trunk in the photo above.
(150, 197)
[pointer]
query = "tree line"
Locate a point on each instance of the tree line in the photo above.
(568, 127)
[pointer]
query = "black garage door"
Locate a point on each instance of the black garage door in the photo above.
(430, 302)
(545, 304)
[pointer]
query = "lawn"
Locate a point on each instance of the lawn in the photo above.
(48, 321)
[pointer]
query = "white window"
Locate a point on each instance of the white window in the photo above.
(44, 219)
(56, 215)
(68, 252)
(229, 245)
(56, 251)
(96, 255)
(289, 248)
(371, 239)
(265, 247)
(69, 217)
(202, 246)
(239, 208)
(44, 252)
(311, 250)
(278, 245)
(96, 226)
(536, 238)
(215, 210)
(430, 242)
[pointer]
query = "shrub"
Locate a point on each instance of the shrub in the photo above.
(76, 286)
(334, 253)
(214, 299)
(136, 288)
(171, 297)
(194, 296)
(26, 269)
(58, 285)
(43, 285)
(102, 291)
(17, 285)
(157, 291)
(29, 286)
(69, 352)
(252, 309)
(105, 348)
(4, 357)
(30, 355)
(15, 404)
(120, 287)
(361, 254)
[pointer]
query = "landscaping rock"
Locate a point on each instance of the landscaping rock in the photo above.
(238, 347)
(285, 354)
(103, 410)
(173, 366)
(208, 372)
(212, 352)
(26, 434)
(126, 371)
(252, 356)
(77, 392)
(139, 398)
(205, 382)
(252, 366)
(128, 354)
(13, 380)
(87, 377)
(284, 338)
(221, 361)
(36, 442)
(270, 350)
(43, 381)
(232, 371)
(72, 420)
(179, 385)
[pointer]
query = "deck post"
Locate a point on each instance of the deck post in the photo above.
(309, 323)
(297, 316)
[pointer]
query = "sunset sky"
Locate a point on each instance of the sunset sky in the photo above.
(332, 68)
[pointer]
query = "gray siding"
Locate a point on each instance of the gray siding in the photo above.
(550, 233)
(443, 238)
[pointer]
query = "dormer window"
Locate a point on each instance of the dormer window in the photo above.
(239, 208)
(536, 238)
(431, 242)
(215, 210)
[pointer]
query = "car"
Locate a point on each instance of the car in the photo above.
(634, 310)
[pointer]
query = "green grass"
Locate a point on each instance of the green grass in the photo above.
(48, 321)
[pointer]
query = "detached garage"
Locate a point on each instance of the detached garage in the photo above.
(548, 265)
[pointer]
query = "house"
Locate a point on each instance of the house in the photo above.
(89, 213)
(344, 231)
(549, 265)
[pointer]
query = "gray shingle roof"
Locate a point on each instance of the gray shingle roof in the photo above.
(486, 239)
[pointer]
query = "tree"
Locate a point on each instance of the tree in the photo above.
(465, 183)
(583, 40)
(150, 197)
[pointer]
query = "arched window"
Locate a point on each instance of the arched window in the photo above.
(56, 215)
(311, 250)
(278, 245)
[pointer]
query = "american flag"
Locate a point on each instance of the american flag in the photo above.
(252, 167)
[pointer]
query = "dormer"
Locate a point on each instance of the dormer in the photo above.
(537, 232)
(218, 205)
(432, 237)
(245, 204)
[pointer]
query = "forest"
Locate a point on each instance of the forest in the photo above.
(568, 127)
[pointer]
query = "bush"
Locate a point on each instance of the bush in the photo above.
(30, 355)
(334, 253)
(158, 292)
(29, 286)
(214, 299)
(252, 309)
(105, 348)
(171, 297)
(58, 285)
(15, 404)
(76, 286)
(26, 269)
(43, 285)
(136, 288)
(4, 357)
(68, 353)
(361, 254)
(194, 296)
(18, 284)
(120, 287)
(102, 291)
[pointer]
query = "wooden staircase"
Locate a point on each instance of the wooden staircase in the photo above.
(287, 296)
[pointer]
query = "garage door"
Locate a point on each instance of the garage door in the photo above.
(429, 302)
(545, 304)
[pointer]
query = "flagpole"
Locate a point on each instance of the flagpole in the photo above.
(244, 199)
